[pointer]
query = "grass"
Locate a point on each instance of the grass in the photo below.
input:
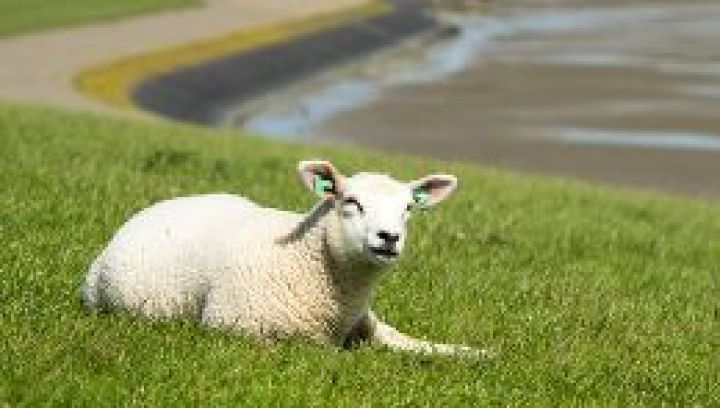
(22, 16)
(593, 295)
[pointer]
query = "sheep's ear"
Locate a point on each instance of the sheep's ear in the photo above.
(321, 177)
(432, 189)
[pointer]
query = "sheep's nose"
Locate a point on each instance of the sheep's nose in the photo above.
(388, 237)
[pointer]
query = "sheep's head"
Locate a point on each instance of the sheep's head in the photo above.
(373, 209)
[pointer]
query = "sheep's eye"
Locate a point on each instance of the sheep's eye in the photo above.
(352, 201)
(409, 208)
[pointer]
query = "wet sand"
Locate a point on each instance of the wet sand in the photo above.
(629, 96)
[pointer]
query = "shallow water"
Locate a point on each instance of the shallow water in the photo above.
(627, 94)
(303, 111)
(652, 139)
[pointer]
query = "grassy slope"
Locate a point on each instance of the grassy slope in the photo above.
(591, 294)
(19, 16)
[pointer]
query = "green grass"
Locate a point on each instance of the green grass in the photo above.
(21, 16)
(593, 295)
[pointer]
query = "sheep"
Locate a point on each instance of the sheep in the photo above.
(268, 273)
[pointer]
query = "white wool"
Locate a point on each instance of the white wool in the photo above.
(263, 272)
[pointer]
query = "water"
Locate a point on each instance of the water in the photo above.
(621, 93)
(648, 139)
(302, 112)
(301, 116)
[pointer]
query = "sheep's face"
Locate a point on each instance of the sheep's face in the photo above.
(373, 209)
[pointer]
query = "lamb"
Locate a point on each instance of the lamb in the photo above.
(269, 273)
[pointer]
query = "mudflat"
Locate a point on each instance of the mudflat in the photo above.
(622, 93)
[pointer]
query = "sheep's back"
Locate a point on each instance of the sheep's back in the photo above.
(165, 257)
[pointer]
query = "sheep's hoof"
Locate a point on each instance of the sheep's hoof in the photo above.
(489, 354)
(476, 354)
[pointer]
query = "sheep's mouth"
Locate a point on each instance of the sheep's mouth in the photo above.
(383, 252)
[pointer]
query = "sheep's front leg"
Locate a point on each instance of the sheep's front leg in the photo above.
(373, 330)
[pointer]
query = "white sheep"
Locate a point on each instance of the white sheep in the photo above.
(270, 273)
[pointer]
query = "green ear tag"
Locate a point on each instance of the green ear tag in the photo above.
(322, 185)
(421, 197)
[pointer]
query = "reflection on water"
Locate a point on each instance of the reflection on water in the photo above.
(657, 139)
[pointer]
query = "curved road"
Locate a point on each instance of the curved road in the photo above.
(200, 93)
(41, 67)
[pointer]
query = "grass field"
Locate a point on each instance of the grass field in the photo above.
(592, 295)
(20, 16)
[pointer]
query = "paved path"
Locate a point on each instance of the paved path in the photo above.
(41, 67)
